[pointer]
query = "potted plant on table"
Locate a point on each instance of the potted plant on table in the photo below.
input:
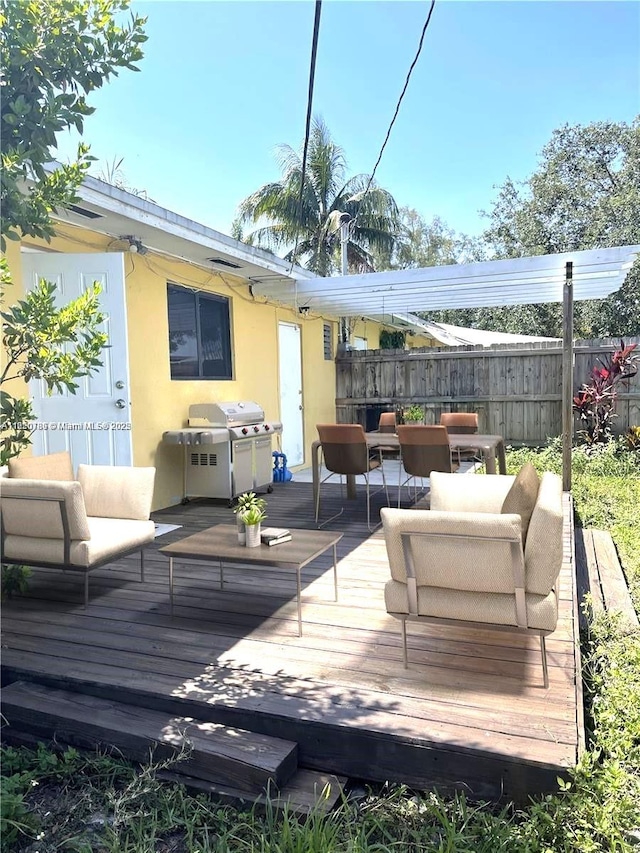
(413, 415)
(252, 518)
(249, 507)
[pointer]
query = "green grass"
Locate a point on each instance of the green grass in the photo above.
(75, 802)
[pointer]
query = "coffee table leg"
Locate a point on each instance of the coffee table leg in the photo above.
(335, 571)
(171, 586)
(299, 605)
(221, 575)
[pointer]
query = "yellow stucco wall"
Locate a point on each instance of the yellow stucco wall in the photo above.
(159, 403)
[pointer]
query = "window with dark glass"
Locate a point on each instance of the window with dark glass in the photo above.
(199, 334)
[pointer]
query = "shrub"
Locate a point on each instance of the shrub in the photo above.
(596, 401)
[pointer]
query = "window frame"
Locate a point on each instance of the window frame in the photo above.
(199, 295)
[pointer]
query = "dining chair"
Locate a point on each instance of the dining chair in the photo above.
(423, 449)
(387, 423)
(462, 423)
(345, 451)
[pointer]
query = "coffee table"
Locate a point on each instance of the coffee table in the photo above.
(220, 543)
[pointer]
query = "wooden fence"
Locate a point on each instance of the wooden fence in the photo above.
(515, 388)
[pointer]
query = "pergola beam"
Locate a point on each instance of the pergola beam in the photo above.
(587, 274)
(567, 375)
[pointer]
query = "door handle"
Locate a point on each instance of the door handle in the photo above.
(120, 404)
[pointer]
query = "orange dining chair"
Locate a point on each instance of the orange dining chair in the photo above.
(345, 451)
(387, 423)
(423, 449)
(461, 423)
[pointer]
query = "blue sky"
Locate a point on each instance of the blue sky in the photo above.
(222, 83)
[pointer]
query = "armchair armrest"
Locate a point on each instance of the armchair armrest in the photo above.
(117, 491)
(469, 493)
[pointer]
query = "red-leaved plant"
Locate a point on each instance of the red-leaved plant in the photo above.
(596, 401)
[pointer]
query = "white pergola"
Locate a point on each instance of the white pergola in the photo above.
(590, 274)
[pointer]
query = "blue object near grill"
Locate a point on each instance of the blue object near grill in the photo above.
(281, 473)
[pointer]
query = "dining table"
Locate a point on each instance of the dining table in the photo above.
(491, 446)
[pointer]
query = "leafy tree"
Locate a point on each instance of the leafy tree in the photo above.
(392, 339)
(53, 53)
(419, 244)
(585, 194)
(41, 341)
(310, 233)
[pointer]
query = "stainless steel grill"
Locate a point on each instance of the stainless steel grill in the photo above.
(227, 449)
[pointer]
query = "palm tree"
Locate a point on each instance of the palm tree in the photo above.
(310, 232)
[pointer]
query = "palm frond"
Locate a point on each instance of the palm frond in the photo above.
(310, 229)
(271, 237)
(358, 259)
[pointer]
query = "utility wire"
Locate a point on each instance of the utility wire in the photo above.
(353, 222)
(312, 74)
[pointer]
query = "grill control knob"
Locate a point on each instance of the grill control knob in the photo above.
(256, 429)
(267, 427)
(244, 430)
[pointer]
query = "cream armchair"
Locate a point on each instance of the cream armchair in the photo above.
(50, 520)
(472, 559)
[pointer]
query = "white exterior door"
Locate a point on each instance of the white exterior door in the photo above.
(94, 424)
(291, 405)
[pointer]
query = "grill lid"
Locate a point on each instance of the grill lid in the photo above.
(242, 413)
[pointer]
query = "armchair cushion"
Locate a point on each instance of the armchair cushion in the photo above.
(454, 553)
(544, 545)
(117, 491)
(41, 519)
(52, 466)
(491, 608)
(522, 496)
(477, 493)
(109, 537)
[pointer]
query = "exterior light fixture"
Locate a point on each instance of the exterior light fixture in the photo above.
(135, 244)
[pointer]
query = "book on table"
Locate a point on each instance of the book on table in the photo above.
(274, 535)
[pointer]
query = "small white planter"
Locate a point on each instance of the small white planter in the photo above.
(253, 535)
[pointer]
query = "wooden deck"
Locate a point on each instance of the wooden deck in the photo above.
(470, 712)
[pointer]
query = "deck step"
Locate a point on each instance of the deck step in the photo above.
(600, 573)
(307, 791)
(214, 753)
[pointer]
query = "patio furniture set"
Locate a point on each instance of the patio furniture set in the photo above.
(486, 554)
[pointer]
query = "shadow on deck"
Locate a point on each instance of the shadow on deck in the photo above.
(470, 713)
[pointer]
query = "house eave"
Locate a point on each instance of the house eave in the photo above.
(166, 232)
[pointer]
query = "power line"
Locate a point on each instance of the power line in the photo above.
(312, 74)
(395, 115)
